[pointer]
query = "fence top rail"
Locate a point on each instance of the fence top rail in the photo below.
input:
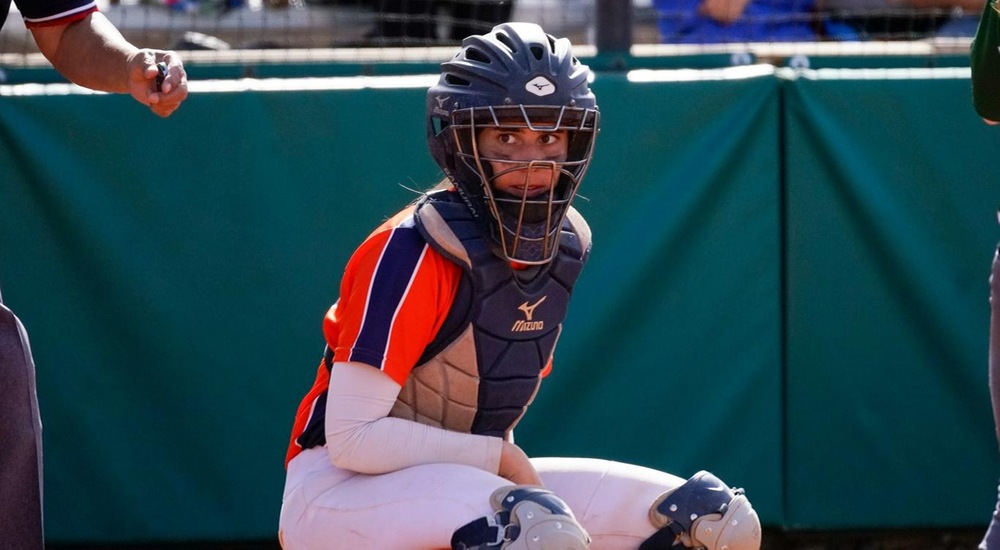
(438, 54)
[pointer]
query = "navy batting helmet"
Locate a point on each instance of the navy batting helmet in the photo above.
(516, 76)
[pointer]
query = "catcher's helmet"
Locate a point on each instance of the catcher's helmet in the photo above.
(515, 76)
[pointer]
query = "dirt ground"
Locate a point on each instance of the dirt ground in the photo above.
(774, 539)
(901, 539)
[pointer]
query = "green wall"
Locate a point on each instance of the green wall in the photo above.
(890, 229)
(788, 288)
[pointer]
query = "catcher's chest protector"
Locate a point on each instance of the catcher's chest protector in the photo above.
(482, 370)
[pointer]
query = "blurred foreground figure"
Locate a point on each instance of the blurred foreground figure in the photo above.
(986, 100)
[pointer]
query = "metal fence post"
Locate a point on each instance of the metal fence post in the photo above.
(614, 26)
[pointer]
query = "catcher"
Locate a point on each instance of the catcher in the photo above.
(445, 325)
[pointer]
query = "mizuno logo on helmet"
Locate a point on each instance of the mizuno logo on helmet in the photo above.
(540, 86)
(526, 324)
(439, 109)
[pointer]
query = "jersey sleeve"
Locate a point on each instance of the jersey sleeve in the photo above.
(43, 13)
(395, 295)
(985, 62)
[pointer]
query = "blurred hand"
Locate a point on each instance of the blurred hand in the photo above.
(515, 466)
(142, 74)
(723, 11)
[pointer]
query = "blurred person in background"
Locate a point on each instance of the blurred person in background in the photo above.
(899, 19)
(89, 51)
(429, 22)
(446, 324)
(985, 62)
(724, 21)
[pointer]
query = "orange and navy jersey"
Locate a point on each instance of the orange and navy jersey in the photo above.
(395, 294)
(44, 13)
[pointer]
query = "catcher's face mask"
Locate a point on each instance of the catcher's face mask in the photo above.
(511, 79)
(529, 162)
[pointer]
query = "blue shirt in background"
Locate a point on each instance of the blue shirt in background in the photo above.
(762, 21)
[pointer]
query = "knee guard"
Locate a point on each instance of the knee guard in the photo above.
(526, 518)
(705, 513)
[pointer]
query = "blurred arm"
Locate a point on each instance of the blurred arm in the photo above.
(985, 62)
(92, 53)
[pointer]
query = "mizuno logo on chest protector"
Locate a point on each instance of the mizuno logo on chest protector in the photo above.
(527, 324)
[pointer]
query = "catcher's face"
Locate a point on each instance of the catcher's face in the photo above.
(524, 162)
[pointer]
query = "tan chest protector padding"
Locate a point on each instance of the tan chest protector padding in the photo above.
(444, 391)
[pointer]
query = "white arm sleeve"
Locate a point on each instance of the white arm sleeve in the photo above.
(362, 438)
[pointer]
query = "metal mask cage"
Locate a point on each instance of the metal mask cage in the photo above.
(527, 229)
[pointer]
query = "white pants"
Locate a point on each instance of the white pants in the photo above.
(418, 508)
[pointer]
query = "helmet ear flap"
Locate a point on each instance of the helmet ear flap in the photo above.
(439, 124)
